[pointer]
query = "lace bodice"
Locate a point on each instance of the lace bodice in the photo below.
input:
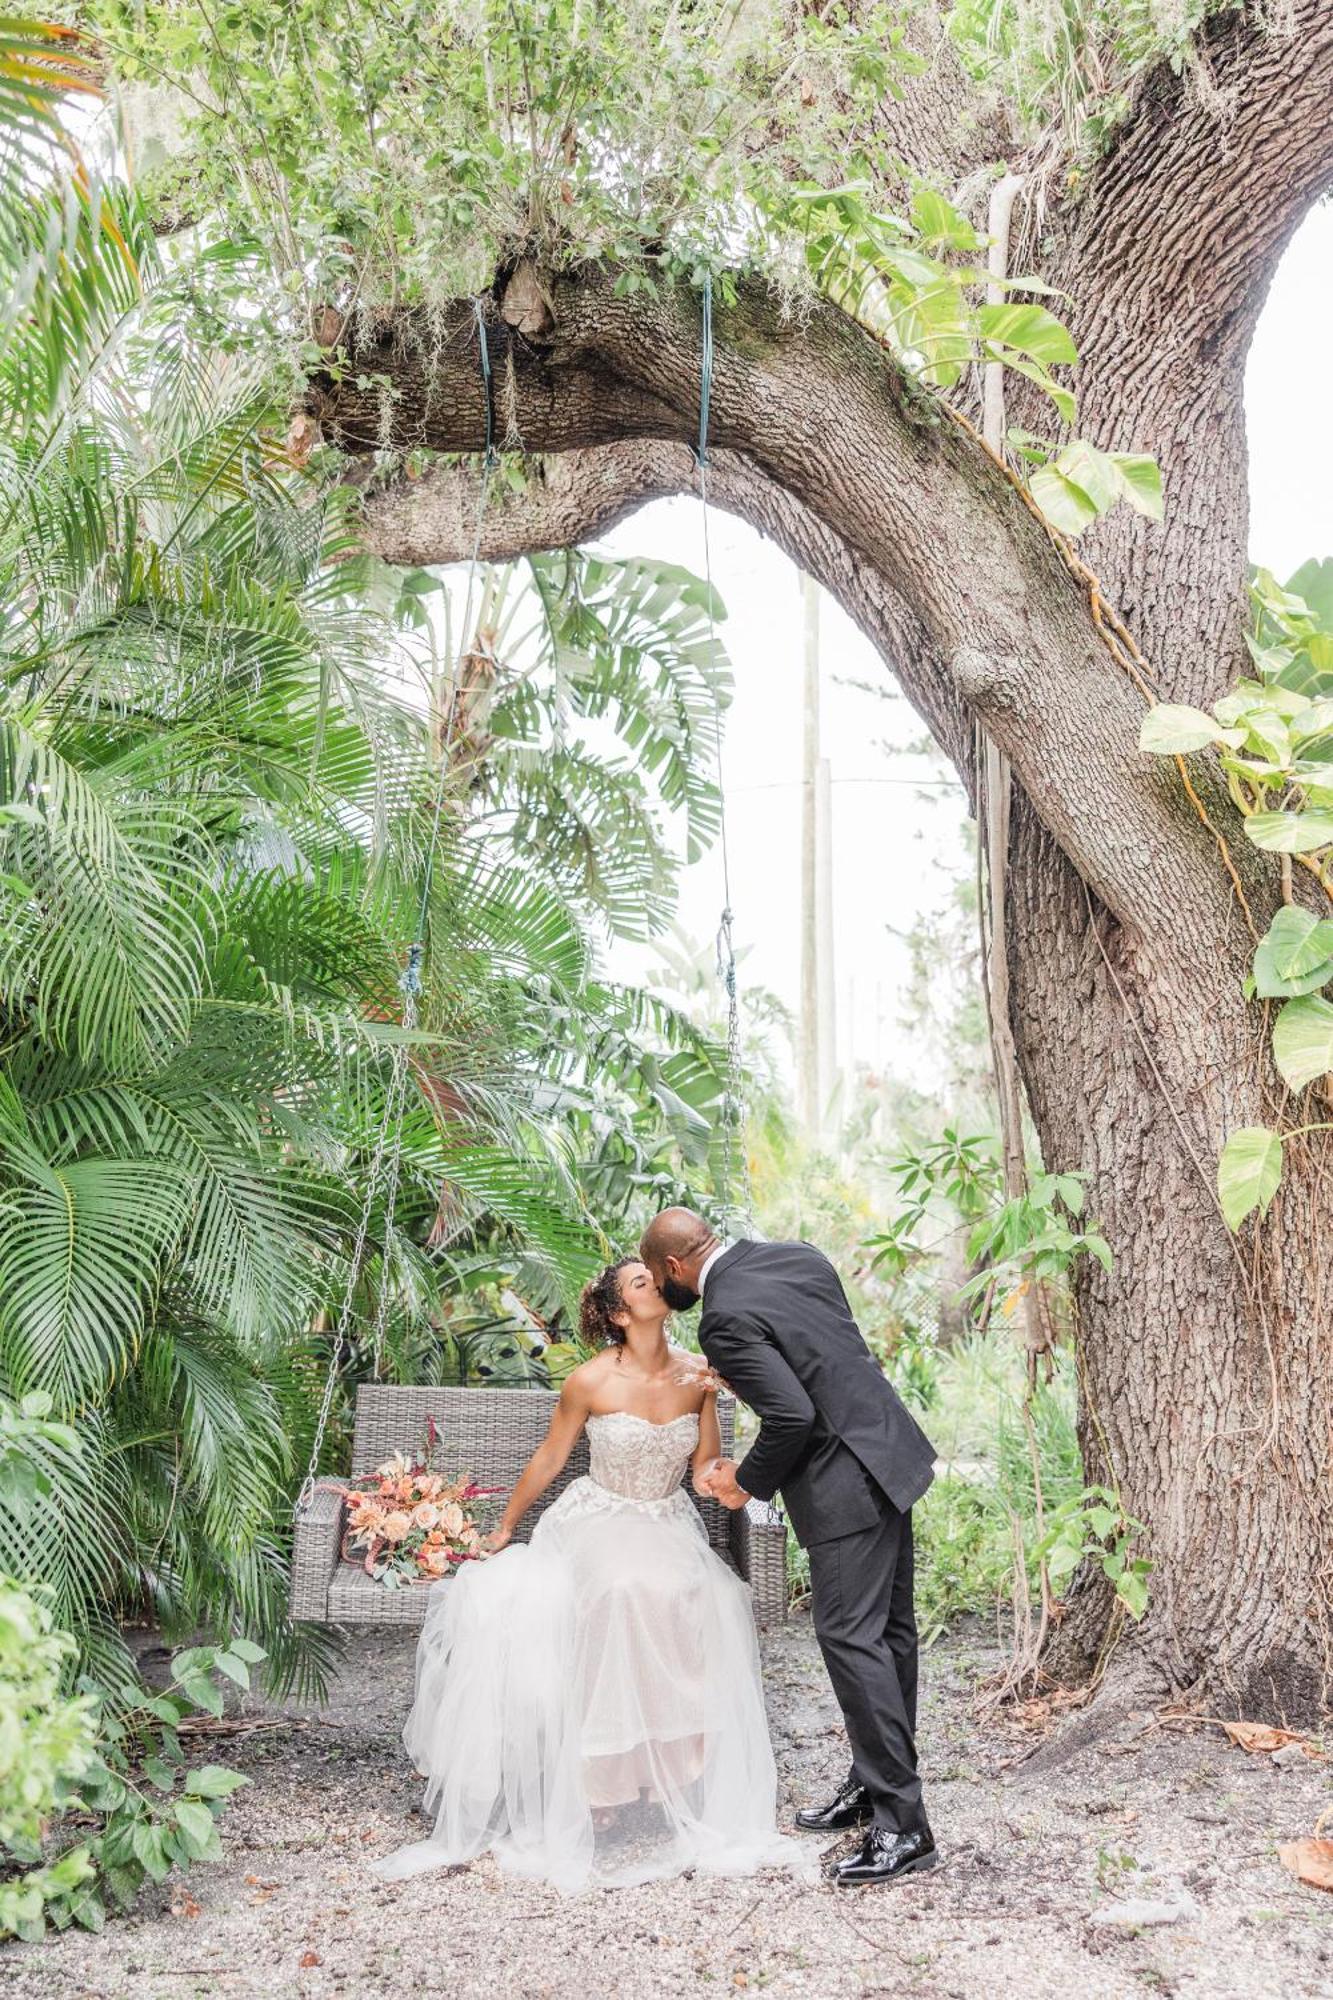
(637, 1459)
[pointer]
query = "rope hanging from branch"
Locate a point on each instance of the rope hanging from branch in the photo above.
(733, 1103)
(386, 1160)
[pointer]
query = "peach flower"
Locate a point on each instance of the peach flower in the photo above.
(395, 1526)
(425, 1514)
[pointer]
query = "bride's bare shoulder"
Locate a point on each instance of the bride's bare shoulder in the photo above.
(582, 1382)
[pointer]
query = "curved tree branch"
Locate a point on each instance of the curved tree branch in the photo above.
(816, 412)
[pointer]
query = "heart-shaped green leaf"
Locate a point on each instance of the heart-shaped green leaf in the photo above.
(1140, 482)
(1063, 502)
(1248, 1172)
(1171, 729)
(1295, 957)
(1303, 1041)
(1291, 832)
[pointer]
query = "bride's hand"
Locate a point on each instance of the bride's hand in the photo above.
(500, 1538)
(703, 1477)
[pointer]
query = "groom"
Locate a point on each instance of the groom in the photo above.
(850, 1462)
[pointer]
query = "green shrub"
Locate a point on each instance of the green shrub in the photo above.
(47, 1745)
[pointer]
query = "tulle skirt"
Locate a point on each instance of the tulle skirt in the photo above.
(609, 1665)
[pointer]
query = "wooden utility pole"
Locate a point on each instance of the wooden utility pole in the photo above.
(826, 1002)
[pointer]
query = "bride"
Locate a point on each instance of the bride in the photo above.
(588, 1706)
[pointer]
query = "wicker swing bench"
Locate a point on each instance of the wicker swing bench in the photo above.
(490, 1433)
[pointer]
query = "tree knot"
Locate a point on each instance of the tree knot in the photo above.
(988, 685)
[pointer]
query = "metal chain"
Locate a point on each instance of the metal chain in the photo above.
(394, 1110)
(345, 1314)
(389, 1143)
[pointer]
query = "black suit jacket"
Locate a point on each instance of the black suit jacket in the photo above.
(834, 1435)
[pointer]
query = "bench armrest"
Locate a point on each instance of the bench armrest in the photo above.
(759, 1551)
(316, 1548)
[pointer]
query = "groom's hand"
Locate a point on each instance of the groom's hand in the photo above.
(722, 1485)
(693, 1372)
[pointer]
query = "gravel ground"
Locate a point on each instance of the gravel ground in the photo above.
(1035, 1851)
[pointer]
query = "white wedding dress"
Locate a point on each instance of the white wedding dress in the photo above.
(610, 1662)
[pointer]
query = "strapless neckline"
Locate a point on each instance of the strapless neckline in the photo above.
(608, 1416)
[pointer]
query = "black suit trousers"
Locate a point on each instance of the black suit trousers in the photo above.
(861, 1588)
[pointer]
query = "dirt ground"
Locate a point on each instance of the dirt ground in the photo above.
(1036, 1854)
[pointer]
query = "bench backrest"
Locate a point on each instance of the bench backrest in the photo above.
(490, 1433)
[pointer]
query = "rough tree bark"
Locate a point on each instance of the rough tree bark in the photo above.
(1206, 1394)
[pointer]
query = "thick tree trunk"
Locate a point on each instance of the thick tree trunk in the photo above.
(1206, 1390)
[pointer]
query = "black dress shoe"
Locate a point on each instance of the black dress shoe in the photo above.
(885, 1856)
(851, 1807)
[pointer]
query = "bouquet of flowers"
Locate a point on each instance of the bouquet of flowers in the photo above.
(407, 1524)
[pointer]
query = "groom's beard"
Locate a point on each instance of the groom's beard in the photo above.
(679, 1297)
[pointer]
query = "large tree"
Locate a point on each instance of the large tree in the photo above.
(1158, 199)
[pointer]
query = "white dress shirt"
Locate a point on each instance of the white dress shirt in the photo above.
(708, 1264)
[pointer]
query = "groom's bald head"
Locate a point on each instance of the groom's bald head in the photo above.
(674, 1247)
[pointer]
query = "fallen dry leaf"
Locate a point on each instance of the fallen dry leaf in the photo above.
(1259, 1737)
(1310, 1861)
(185, 1906)
(311, 1958)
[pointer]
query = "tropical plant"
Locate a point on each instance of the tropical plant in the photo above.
(568, 647)
(1274, 738)
(94, 1789)
(131, 1806)
(223, 821)
(49, 1746)
(1026, 1240)
(1069, 64)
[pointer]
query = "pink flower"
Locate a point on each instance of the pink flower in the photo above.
(425, 1515)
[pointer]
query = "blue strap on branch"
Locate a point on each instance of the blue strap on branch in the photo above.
(492, 456)
(705, 373)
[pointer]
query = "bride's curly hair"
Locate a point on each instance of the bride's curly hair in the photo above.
(601, 1298)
